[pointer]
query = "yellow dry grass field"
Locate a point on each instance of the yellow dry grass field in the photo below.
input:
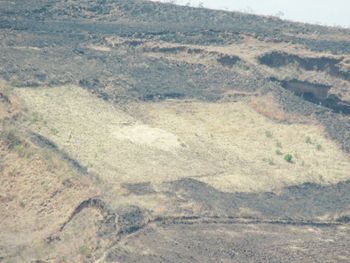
(228, 145)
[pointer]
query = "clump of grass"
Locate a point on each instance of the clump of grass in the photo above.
(268, 134)
(289, 158)
(22, 203)
(318, 147)
(54, 131)
(35, 117)
(15, 143)
(84, 250)
(20, 149)
(308, 140)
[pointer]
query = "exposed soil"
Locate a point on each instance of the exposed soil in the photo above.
(328, 64)
(317, 94)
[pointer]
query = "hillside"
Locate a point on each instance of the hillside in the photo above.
(134, 131)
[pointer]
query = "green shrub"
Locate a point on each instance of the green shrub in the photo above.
(288, 157)
(22, 203)
(319, 147)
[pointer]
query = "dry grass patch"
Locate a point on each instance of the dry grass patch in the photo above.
(227, 145)
(268, 107)
(10, 105)
(38, 189)
(242, 145)
(106, 139)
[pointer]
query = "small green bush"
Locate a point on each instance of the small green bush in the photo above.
(319, 147)
(288, 157)
(22, 203)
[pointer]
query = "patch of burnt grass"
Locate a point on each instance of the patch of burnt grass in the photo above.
(228, 61)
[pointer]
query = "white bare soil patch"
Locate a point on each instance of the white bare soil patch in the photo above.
(145, 135)
(99, 48)
(227, 145)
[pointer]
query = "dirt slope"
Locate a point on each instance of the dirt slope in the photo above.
(133, 131)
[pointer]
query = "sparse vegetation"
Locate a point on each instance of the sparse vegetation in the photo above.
(288, 157)
(269, 134)
(35, 117)
(308, 140)
(22, 203)
(270, 161)
(54, 131)
(318, 146)
(129, 101)
(11, 138)
(14, 142)
(84, 250)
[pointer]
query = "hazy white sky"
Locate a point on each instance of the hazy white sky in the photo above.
(329, 12)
